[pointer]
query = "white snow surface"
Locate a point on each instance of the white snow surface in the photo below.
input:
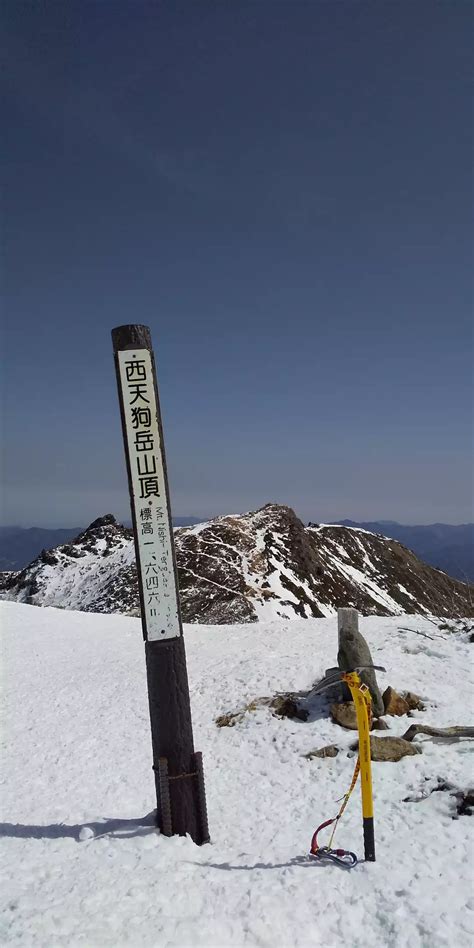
(82, 865)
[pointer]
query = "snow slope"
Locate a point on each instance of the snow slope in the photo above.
(77, 755)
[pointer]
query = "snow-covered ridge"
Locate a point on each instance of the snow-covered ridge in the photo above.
(257, 566)
(322, 526)
(94, 573)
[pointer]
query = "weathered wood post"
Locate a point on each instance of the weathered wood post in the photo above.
(347, 621)
(179, 781)
(354, 651)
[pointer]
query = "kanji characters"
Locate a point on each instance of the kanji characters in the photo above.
(149, 487)
(144, 441)
(138, 391)
(141, 417)
(146, 464)
(135, 369)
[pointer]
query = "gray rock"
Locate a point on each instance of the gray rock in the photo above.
(330, 750)
(354, 651)
(344, 714)
(413, 701)
(338, 691)
(389, 748)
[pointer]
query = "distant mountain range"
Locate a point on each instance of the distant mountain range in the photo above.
(257, 566)
(447, 547)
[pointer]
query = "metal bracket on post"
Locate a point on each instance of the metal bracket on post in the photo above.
(164, 779)
(201, 797)
(165, 802)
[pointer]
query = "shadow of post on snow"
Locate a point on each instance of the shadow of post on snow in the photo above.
(114, 828)
(304, 862)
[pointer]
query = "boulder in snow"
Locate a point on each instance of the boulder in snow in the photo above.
(394, 704)
(413, 701)
(389, 748)
(344, 714)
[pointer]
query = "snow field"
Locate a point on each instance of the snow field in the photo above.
(82, 864)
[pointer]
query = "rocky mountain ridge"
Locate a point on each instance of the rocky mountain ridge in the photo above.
(445, 546)
(256, 566)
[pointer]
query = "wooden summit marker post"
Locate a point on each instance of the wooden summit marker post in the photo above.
(179, 780)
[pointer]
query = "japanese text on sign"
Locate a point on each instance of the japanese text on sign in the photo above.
(149, 494)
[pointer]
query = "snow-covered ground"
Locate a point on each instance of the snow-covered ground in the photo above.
(77, 755)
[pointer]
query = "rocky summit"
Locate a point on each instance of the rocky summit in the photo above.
(244, 568)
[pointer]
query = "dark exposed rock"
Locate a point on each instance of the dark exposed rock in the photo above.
(107, 520)
(48, 557)
(286, 706)
(73, 551)
(465, 802)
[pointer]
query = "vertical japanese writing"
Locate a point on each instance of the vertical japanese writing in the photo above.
(149, 494)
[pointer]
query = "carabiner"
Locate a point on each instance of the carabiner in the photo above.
(341, 857)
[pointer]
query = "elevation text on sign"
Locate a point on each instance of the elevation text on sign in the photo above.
(149, 494)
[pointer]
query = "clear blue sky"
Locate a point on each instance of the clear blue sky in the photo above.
(282, 191)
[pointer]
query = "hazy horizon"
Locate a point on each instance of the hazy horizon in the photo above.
(126, 519)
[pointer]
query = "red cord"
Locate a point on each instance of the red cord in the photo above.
(314, 841)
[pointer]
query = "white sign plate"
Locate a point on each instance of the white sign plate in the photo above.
(149, 494)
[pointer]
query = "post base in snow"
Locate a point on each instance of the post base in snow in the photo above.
(178, 770)
(164, 818)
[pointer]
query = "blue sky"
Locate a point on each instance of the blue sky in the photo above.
(282, 192)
